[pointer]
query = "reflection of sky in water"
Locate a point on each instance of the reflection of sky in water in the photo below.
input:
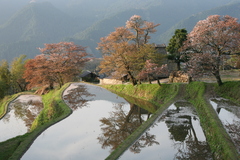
(11, 127)
(14, 123)
(76, 136)
(227, 112)
(168, 148)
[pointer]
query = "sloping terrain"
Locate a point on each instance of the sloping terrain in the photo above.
(33, 26)
(86, 21)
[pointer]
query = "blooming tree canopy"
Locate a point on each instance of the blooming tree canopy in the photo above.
(126, 49)
(58, 63)
(152, 70)
(213, 37)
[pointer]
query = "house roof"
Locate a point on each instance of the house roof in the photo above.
(160, 45)
(85, 73)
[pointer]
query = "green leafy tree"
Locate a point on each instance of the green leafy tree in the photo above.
(5, 78)
(176, 42)
(17, 71)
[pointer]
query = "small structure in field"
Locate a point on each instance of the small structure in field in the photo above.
(88, 76)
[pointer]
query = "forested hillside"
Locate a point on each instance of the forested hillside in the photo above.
(33, 26)
(27, 24)
(232, 9)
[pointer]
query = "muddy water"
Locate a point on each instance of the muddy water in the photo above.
(22, 112)
(229, 114)
(176, 134)
(100, 121)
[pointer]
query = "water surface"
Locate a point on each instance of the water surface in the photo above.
(229, 114)
(176, 134)
(100, 121)
(22, 112)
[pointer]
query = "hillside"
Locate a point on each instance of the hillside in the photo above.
(156, 14)
(33, 26)
(84, 22)
(188, 23)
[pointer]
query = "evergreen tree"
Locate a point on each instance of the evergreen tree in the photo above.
(176, 42)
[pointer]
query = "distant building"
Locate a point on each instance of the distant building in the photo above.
(88, 76)
(161, 49)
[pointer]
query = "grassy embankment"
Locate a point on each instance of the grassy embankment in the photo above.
(161, 96)
(54, 110)
(6, 100)
(220, 143)
(195, 93)
(4, 103)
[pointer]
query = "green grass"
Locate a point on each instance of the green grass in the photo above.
(6, 100)
(162, 97)
(217, 137)
(54, 110)
(4, 104)
(149, 92)
(230, 90)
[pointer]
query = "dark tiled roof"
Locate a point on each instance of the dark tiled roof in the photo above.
(160, 45)
(85, 73)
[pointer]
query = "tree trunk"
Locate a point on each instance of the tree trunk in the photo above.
(178, 66)
(216, 72)
(139, 82)
(158, 81)
(132, 79)
(149, 80)
(218, 78)
(51, 85)
(20, 87)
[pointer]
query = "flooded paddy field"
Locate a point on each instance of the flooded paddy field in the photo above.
(100, 121)
(229, 114)
(176, 134)
(22, 112)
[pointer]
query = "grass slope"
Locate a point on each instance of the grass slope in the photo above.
(197, 93)
(220, 143)
(162, 96)
(54, 110)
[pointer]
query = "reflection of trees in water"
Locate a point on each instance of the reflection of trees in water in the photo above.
(234, 131)
(227, 105)
(232, 128)
(145, 140)
(120, 125)
(193, 150)
(77, 97)
(183, 134)
(26, 111)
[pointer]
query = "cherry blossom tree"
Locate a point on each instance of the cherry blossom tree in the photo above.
(127, 48)
(209, 41)
(58, 63)
(152, 71)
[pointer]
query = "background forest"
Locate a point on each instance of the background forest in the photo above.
(26, 25)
